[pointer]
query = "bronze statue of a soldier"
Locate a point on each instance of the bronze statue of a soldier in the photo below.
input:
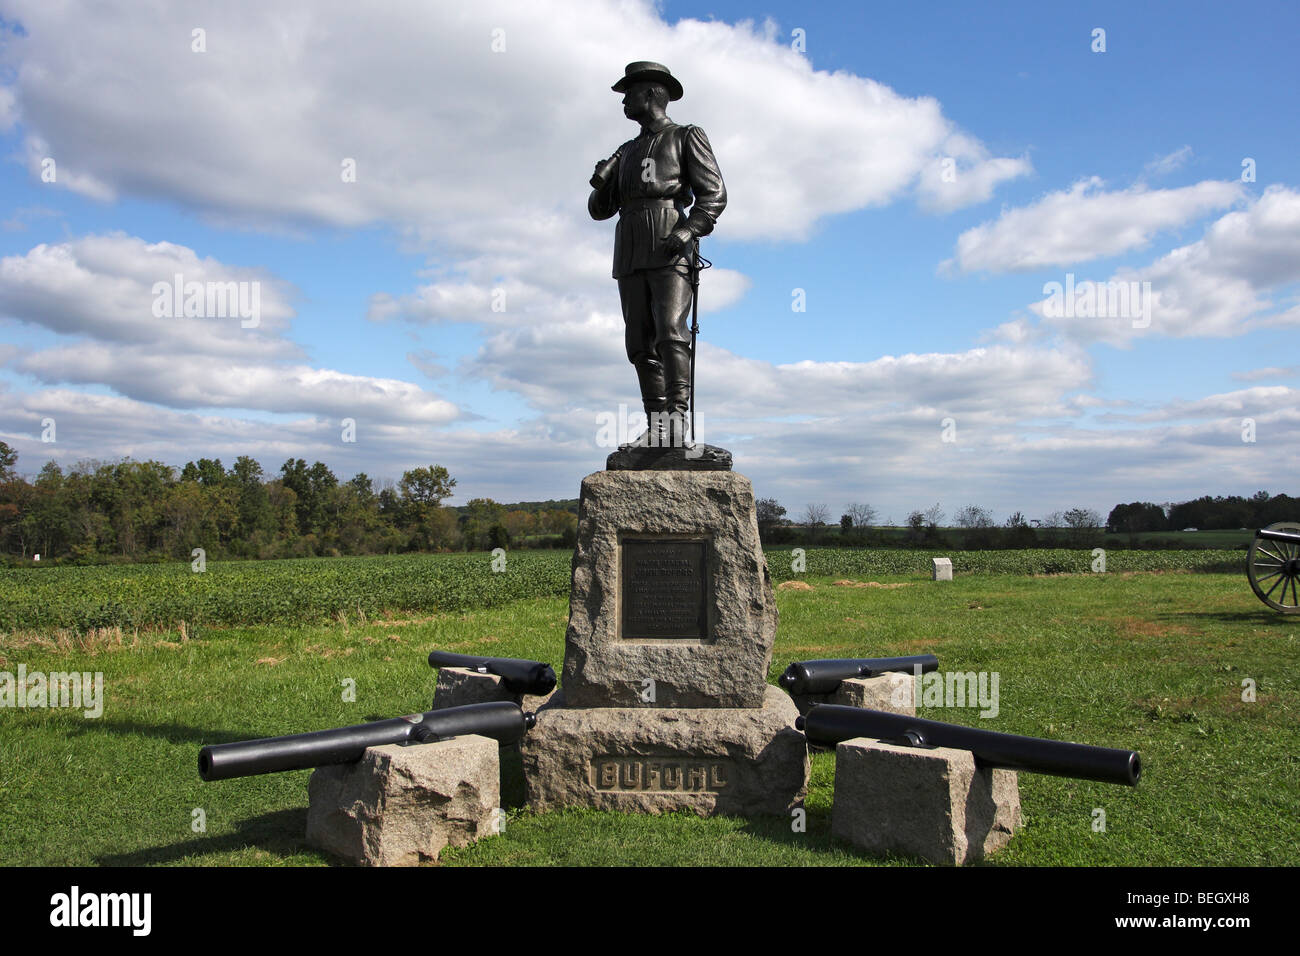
(649, 182)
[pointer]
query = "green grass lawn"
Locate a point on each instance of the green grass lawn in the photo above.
(1149, 661)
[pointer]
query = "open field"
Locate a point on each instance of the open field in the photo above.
(1152, 661)
(318, 590)
(1220, 538)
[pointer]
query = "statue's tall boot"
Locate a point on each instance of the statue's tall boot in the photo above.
(676, 359)
(650, 374)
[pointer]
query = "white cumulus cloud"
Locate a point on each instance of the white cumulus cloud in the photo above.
(1083, 223)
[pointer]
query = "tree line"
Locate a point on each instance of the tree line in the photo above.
(857, 527)
(975, 528)
(1205, 513)
(147, 510)
(133, 511)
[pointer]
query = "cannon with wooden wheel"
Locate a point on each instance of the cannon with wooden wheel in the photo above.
(1273, 566)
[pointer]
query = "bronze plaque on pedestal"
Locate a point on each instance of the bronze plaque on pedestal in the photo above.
(665, 589)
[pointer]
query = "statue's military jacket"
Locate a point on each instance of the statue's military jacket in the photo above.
(652, 197)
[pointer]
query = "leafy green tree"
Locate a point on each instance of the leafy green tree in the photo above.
(444, 530)
(1135, 518)
(770, 513)
(256, 525)
(133, 492)
(311, 486)
(482, 514)
(363, 488)
(423, 490)
(283, 501)
(16, 528)
(391, 506)
(520, 524)
(561, 522)
(360, 526)
(207, 471)
(184, 508)
(50, 514)
(8, 458)
(427, 485)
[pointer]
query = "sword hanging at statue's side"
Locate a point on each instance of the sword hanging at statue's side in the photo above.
(698, 264)
(695, 320)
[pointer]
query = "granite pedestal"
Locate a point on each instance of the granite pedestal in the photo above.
(665, 702)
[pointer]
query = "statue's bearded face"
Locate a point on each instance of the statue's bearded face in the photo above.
(641, 98)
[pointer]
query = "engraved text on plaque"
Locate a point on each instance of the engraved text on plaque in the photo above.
(665, 589)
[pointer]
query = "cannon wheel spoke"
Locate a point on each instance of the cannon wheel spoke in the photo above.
(1263, 566)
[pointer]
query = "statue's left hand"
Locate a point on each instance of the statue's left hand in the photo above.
(678, 240)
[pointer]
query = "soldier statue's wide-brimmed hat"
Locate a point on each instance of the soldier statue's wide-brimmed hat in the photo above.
(643, 71)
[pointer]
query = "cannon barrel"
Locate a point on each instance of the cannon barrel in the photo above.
(1290, 537)
(502, 720)
(823, 677)
(828, 724)
(520, 677)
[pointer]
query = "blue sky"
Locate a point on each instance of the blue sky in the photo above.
(473, 133)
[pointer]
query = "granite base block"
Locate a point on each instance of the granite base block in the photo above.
(894, 693)
(458, 686)
(399, 806)
(739, 761)
(928, 802)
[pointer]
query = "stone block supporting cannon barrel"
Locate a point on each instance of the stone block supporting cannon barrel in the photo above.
(879, 683)
(936, 804)
(502, 721)
(830, 724)
(474, 679)
(943, 792)
(401, 806)
(391, 792)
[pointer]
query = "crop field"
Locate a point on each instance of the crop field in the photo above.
(1185, 666)
(315, 590)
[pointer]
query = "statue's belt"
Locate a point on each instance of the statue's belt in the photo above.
(636, 205)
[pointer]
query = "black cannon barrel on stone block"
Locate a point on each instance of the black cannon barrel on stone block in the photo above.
(502, 720)
(823, 677)
(829, 724)
(520, 677)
